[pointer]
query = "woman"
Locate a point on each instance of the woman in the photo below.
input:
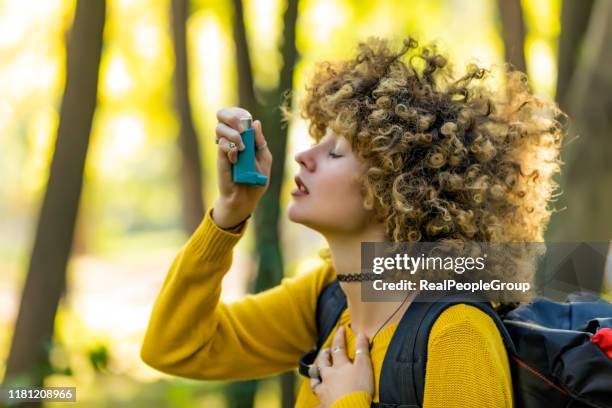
(402, 153)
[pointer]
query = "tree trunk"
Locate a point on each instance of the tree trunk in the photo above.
(246, 85)
(241, 394)
(513, 33)
(46, 275)
(267, 243)
(191, 167)
(574, 22)
(587, 175)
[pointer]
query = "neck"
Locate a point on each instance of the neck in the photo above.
(366, 317)
(371, 317)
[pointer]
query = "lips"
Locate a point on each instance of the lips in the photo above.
(301, 187)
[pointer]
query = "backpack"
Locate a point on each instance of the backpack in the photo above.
(552, 359)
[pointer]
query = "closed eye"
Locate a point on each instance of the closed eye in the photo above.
(334, 155)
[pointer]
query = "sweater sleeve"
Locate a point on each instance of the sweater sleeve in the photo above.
(192, 334)
(467, 364)
(356, 399)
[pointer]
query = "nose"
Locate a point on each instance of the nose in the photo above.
(304, 158)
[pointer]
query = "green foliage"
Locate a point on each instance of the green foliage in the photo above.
(98, 357)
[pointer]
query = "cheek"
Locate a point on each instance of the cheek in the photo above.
(345, 198)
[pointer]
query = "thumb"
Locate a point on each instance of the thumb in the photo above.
(259, 136)
(362, 349)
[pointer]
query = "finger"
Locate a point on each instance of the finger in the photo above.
(233, 155)
(259, 136)
(314, 382)
(323, 360)
(223, 130)
(226, 146)
(324, 372)
(231, 117)
(228, 151)
(318, 388)
(362, 349)
(339, 347)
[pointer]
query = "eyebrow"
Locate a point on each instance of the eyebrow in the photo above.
(321, 140)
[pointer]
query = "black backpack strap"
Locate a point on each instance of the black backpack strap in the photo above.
(330, 305)
(402, 380)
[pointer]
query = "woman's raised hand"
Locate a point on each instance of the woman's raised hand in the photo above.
(237, 201)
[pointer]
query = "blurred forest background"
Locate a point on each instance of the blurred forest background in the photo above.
(107, 116)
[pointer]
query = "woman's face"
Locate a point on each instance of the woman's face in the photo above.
(331, 174)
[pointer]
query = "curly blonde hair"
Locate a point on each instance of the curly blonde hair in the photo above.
(448, 159)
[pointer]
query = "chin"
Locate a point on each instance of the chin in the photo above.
(293, 213)
(298, 215)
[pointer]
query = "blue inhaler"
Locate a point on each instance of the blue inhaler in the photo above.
(243, 172)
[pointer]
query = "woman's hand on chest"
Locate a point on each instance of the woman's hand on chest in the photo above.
(339, 375)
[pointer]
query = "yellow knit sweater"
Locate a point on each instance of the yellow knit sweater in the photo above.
(192, 334)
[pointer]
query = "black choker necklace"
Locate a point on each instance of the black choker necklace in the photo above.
(358, 277)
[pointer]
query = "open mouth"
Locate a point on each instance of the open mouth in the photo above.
(301, 188)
